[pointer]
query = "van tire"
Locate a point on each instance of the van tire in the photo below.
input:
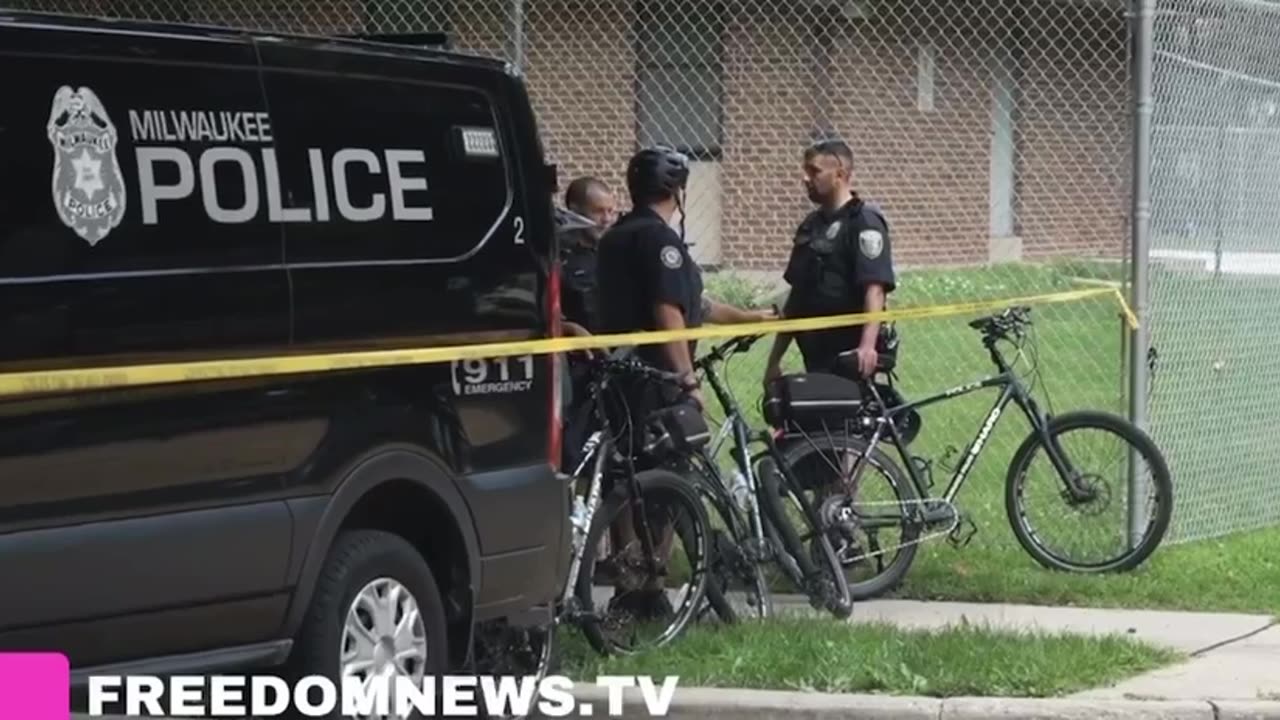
(357, 558)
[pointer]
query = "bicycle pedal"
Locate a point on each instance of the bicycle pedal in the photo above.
(960, 537)
(576, 617)
(944, 461)
(924, 467)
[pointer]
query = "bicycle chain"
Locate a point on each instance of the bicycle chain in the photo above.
(956, 518)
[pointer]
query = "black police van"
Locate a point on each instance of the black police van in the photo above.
(172, 193)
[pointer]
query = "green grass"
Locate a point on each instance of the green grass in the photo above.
(1222, 460)
(828, 656)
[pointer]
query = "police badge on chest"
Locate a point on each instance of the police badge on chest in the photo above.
(88, 191)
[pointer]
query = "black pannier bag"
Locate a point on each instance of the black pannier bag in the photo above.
(812, 401)
(680, 428)
(823, 402)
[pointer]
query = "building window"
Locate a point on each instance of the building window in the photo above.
(926, 65)
(680, 76)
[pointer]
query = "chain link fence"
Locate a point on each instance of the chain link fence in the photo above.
(1215, 258)
(996, 137)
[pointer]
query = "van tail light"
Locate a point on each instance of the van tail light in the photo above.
(555, 431)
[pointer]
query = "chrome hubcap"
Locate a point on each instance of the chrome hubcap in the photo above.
(384, 636)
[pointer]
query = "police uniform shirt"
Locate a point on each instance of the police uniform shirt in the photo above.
(834, 257)
(641, 262)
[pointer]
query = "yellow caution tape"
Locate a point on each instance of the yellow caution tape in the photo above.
(45, 381)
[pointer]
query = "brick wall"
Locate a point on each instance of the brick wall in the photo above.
(786, 73)
(930, 169)
(581, 71)
(1075, 133)
(768, 114)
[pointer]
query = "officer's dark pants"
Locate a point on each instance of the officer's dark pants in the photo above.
(641, 400)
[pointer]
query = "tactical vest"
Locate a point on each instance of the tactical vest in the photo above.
(823, 260)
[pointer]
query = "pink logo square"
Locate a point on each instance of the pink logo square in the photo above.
(35, 686)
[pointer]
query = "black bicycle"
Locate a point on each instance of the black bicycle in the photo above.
(806, 407)
(757, 531)
(602, 550)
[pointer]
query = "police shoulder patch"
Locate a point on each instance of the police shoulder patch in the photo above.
(871, 242)
(671, 257)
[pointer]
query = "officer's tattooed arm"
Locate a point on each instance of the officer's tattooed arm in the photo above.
(719, 313)
(873, 301)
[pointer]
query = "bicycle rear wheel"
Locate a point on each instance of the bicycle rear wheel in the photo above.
(1035, 530)
(663, 601)
(809, 545)
(876, 512)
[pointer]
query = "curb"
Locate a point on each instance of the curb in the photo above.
(710, 703)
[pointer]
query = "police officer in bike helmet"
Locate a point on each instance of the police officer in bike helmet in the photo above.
(648, 281)
(647, 278)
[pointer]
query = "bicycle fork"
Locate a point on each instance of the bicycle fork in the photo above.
(582, 524)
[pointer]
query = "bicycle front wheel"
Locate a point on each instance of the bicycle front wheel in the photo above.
(1093, 533)
(655, 594)
(809, 545)
(736, 588)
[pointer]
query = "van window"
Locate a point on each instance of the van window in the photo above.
(400, 194)
(385, 168)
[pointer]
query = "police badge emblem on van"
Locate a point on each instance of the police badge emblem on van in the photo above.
(88, 190)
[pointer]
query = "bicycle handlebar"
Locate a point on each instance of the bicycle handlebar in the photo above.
(1000, 325)
(630, 365)
(739, 344)
(732, 346)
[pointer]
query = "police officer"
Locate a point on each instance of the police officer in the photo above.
(647, 279)
(841, 263)
(590, 209)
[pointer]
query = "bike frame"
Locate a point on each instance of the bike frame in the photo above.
(1012, 389)
(737, 428)
(598, 449)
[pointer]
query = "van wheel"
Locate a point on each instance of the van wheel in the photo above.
(376, 609)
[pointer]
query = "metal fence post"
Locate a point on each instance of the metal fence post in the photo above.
(1142, 77)
(517, 35)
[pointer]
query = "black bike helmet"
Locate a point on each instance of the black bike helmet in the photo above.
(656, 173)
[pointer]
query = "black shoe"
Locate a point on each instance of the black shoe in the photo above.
(644, 605)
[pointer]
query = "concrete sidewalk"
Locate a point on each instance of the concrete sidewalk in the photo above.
(1187, 632)
(1245, 669)
(1234, 657)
